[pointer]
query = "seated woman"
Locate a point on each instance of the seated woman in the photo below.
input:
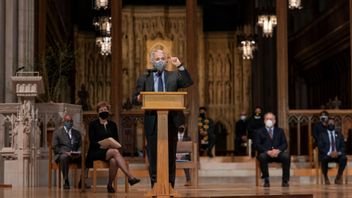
(100, 129)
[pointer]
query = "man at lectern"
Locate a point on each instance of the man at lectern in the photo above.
(160, 80)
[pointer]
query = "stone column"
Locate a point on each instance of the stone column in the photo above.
(2, 51)
(21, 164)
(26, 34)
(11, 47)
(282, 65)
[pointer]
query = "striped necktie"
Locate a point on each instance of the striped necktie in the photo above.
(160, 82)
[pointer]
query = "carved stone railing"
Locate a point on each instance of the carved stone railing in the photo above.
(132, 131)
(301, 124)
(49, 115)
(6, 110)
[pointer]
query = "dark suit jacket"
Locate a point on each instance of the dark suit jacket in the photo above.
(324, 143)
(173, 81)
(62, 143)
(348, 144)
(263, 142)
(253, 125)
(318, 129)
(241, 129)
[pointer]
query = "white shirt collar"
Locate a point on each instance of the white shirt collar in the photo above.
(69, 132)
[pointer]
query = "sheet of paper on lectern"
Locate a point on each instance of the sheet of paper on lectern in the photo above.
(109, 143)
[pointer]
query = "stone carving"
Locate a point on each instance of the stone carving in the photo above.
(332, 104)
(14, 137)
(138, 28)
(22, 127)
(84, 98)
(224, 79)
(227, 81)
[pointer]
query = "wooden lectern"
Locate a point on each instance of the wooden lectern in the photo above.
(162, 102)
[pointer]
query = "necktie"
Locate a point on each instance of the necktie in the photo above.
(271, 133)
(332, 139)
(160, 82)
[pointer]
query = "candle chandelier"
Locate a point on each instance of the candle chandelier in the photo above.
(294, 4)
(247, 48)
(102, 24)
(104, 44)
(267, 22)
(101, 4)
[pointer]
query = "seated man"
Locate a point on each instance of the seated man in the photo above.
(270, 142)
(182, 136)
(332, 149)
(66, 145)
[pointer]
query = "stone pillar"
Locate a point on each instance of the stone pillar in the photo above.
(16, 42)
(21, 159)
(11, 48)
(41, 31)
(26, 31)
(2, 51)
(282, 65)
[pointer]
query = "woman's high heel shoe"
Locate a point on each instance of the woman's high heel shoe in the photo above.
(132, 181)
(110, 189)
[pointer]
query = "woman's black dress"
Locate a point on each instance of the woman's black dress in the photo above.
(98, 132)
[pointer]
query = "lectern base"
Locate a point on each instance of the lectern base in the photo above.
(158, 193)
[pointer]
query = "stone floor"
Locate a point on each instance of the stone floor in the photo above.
(218, 177)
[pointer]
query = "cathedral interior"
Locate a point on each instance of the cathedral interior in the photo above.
(299, 68)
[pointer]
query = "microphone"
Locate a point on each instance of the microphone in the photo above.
(149, 71)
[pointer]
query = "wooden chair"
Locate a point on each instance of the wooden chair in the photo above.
(98, 165)
(348, 171)
(332, 171)
(53, 166)
(258, 172)
(191, 148)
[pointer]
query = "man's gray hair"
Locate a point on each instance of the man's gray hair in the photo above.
(268, 114)
(152, 53)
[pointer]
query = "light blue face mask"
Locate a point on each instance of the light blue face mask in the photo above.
(159, 65)
(68, 125)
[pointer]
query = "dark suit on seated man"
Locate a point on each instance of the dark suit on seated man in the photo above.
(332, 149)
(66, 145)
(271, 145)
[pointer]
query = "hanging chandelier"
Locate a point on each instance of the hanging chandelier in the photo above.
(104, 43)
(102, 24)
(247, 47)
(267, 22)
(294, 4)
(101, 4)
